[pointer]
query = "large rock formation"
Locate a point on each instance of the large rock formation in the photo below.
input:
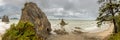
(31, 13)
(5, 18)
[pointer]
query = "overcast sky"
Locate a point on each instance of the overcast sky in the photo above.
(54, 9)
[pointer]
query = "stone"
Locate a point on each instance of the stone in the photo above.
(77, 28)
(5, 18)
(60, 32)
(33, 14)
(63, 23)
(77, 32)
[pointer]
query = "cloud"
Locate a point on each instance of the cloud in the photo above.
(79, 9)
(1, 2)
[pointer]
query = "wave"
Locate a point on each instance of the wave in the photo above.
(4, 27)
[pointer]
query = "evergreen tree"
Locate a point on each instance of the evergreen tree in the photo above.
(107, 12)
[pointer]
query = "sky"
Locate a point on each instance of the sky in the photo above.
(54, 9)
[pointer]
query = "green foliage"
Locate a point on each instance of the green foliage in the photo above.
(115, 37)
(107, 10)
(118, 22)
(22, 31)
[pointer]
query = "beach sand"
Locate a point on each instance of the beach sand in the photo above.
(107, 32)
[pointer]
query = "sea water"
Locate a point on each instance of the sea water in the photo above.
(85, 25)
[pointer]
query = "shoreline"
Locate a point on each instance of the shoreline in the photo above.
(101, 34)
(85, 35)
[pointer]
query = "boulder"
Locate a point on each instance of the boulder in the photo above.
(5, 18)
(33, 14)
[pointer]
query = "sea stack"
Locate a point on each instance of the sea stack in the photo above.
(63, 23)
(31, 13)
(5, 18)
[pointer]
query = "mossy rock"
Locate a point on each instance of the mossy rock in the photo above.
(22, 31)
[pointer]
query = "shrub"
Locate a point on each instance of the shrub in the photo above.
(22, 31)
(117, 18)
(115, 36)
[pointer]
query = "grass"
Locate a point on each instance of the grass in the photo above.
(115, 37)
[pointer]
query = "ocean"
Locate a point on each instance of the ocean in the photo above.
(84, 25)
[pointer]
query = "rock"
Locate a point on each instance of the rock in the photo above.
(5, 18)
(14, 18)
(77, 32)
(77, 28)
(63, 23)
(60, 32)
(31, 13)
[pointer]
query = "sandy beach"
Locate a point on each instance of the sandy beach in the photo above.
(107, 32)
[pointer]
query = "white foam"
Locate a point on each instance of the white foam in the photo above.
(4, 27)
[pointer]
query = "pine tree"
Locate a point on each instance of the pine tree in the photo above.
(107, 12)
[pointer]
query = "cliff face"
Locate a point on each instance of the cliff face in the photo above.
(31, 13)
(5, 18)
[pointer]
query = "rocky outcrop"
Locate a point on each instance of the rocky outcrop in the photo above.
(63, 23)
(5, 18)
(31, 13)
